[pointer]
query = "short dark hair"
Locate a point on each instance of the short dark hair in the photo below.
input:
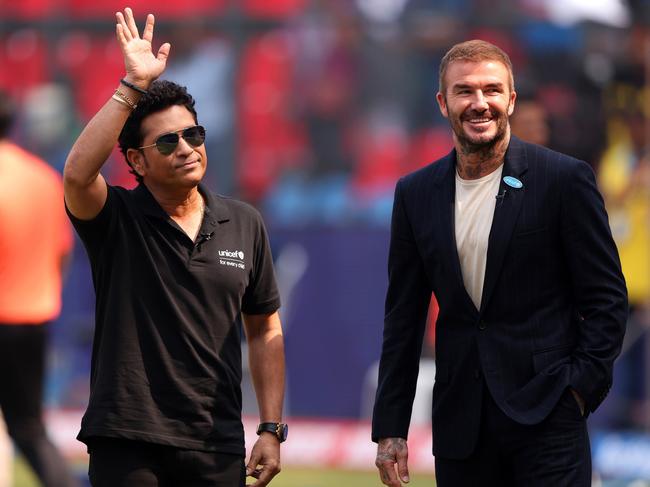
(473, 51)
(161, 94)
(7, 114)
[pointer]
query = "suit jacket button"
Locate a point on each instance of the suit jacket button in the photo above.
(481, 325)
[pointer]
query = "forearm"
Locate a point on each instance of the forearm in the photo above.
(96, 142)
(397, 379)
(266, 361)
(84, 187)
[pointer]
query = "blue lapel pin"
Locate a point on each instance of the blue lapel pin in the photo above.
(513, 182)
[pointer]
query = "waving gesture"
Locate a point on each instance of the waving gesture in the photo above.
(142, 67)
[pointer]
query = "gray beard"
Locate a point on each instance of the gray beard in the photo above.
(485, 150)
(486, 155)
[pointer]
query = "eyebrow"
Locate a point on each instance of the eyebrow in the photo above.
(462, 86)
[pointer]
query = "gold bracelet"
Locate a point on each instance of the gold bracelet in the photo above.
(124, 99)
(118, 99)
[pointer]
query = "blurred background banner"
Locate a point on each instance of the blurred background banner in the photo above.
(313, 110)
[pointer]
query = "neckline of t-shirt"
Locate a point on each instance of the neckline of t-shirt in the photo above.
(475, 182)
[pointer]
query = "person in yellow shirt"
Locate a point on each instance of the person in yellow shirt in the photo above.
(625, 182)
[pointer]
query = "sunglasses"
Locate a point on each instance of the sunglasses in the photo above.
(167, 143)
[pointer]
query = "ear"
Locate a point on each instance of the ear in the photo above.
(442, 104)
(136, 160)
(511, 105)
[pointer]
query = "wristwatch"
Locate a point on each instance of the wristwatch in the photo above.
(280, 430)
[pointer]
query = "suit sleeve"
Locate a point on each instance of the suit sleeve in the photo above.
(598, 285)
(406, 307)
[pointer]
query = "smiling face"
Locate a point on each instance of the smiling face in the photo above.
(184, 167)
(477, 101)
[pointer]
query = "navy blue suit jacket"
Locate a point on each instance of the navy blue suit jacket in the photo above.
(554, 303)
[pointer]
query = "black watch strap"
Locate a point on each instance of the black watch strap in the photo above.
(280, 430)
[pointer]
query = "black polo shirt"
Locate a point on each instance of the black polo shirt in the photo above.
(166, 362)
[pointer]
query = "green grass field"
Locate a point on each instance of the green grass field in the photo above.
(289, 477)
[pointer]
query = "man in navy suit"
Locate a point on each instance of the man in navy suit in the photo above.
(514, 241)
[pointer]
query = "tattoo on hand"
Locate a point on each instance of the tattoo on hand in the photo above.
(383, 475)
(389, 449)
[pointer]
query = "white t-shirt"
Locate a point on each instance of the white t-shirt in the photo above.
(474, 210)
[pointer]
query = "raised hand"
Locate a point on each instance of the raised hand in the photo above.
(142, 66)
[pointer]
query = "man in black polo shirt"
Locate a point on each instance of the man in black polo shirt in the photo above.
(173, 268)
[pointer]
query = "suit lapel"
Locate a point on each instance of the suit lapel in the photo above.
(444, 206)
(505, 216)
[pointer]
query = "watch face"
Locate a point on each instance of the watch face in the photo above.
(283, 432)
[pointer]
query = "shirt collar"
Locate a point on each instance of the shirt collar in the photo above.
(216, 210)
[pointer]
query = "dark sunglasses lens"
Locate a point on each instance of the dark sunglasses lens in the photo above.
(167, 143)
(195, 136)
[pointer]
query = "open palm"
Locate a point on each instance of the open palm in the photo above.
(139, 60)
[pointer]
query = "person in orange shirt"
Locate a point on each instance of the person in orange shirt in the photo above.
(35, 241)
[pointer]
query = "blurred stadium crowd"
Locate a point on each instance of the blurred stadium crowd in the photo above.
(313, 110)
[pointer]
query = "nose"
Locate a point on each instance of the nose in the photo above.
(479, 102)
(183, 146)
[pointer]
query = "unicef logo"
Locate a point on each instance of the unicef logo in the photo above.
(232, 258)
